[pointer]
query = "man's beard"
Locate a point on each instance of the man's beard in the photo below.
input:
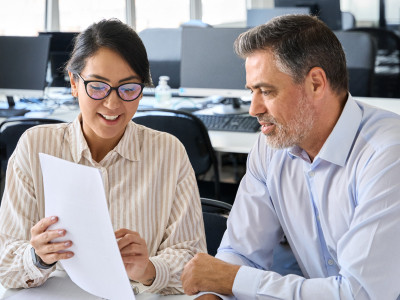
(295, 131)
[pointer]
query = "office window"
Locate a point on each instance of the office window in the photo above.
(365, 12)
(392, 10)
(162, 14)
(77, 15)
(22, 17)
(229, 13)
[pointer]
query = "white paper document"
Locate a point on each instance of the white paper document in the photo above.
(75, 194)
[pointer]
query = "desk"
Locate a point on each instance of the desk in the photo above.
(54, 286)
(232, 142)
(391, 104)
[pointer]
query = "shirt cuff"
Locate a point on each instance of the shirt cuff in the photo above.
(246, 282)
(34, 272)
(162, 275)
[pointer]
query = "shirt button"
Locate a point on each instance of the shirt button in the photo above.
(330, 262)
(311, 174)
(135, 290)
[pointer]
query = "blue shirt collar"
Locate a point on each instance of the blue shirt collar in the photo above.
(337, 147)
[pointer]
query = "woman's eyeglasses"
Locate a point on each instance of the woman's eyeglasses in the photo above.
(98, 90)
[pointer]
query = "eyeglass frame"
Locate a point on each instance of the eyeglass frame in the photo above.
(86, 82)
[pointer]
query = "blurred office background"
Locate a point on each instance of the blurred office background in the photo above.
(28, 17)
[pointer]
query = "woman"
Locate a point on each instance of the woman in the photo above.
(150, 185)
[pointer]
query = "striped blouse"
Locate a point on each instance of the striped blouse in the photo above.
(150, 188)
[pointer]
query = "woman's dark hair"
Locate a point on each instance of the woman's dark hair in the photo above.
(298, 43)
(117, 36)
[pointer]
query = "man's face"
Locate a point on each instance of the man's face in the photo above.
(281, 106)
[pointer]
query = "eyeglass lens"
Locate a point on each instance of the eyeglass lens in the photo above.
(99, 90)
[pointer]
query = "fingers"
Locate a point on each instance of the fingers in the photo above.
(130, 240)
(60, 252)
(123, 231)
(42, 237)
(43, 224)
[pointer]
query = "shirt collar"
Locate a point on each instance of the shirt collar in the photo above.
(336, 148)
(128, 147)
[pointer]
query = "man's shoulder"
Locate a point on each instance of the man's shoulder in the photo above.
(380, 127)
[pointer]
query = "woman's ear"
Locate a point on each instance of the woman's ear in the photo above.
(74, 84)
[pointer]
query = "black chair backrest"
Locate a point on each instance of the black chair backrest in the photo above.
(360, 64)
(10, 131)
(215, 215)
(192, 133)
(387, 69)
(385, 39)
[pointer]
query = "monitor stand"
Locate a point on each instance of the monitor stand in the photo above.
(10, 101)
(230, 106)
(11, 111)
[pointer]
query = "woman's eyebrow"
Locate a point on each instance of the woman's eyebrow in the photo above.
(106, 79)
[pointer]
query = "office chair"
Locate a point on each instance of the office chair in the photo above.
(360, 64)
(163, 46)
(215, 214)
(387, 71)
(10, 131)
(348, 20)
(191, 132)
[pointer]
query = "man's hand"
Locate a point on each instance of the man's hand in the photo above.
(135, 256)
(41, 239)
(205, 273)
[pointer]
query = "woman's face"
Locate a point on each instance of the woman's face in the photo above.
(104, 121)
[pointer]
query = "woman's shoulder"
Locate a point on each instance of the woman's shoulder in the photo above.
(42, 136)
(46, 130)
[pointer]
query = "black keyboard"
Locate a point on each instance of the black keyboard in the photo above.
(12, 112)
(239, 123)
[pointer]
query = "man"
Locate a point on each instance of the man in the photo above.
(325, 173)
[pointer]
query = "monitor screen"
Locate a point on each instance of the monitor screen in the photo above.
(257, 17)
(61, 45)
(209, 65)
(327, 10)
(23, 65)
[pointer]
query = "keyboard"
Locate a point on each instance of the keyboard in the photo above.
(238, 123)
(12, 112)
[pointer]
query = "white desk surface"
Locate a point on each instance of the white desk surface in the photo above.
(62, 288)
(223, 141)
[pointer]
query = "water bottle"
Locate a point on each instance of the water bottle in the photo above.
(163, 93)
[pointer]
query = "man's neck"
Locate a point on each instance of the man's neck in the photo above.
(325, 121)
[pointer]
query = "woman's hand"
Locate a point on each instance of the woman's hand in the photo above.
(41, 239)
(135, 256)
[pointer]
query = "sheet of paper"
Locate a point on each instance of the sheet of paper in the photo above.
(75, 194)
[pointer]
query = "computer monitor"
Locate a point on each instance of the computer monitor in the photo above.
(257, 17)
(327, 10)
(209, 65)
(61, 45)
(23, 65)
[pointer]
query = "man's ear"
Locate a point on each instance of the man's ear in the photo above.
(74, 84)
(316, 78)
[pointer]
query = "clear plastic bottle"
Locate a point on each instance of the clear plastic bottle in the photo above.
(163, 93)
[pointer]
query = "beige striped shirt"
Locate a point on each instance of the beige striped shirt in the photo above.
(150, 188)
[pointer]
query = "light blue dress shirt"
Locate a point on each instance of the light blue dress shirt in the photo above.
(340, 214)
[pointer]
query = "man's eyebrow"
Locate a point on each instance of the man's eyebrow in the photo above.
(260, 85)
